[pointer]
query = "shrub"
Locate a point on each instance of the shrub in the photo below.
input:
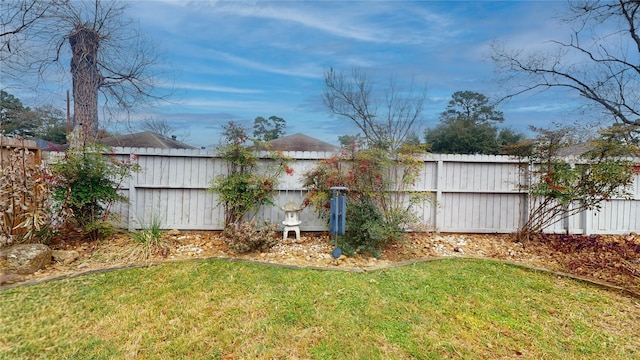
(87, 185)
(379, 201)
(368, 231)
(246, 186)
(250, 236)
(24, 199)
(562, 186)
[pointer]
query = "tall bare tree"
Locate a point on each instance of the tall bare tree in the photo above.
(94, 42)
(600, 61)
(386, 117)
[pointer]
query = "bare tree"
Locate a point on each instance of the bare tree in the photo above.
(386, 118)
(157, 126)
(601, 60)
(107, 55)
(162, 127)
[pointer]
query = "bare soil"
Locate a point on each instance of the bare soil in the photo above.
(602, 258)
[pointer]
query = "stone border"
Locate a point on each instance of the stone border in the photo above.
(593, 282)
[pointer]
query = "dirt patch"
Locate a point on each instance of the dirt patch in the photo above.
(607, 258)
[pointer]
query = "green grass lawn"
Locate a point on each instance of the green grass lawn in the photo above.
(227, 310)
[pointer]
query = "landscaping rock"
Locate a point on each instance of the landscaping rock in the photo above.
(27, 258)
(64, 256)
(611, 258)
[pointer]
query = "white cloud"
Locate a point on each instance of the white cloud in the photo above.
(541, 108)
(214, 88)
(319, 16)
(365, 21)
(306, 70)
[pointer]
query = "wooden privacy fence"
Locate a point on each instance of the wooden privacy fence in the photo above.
(473, 193)
(8, 145)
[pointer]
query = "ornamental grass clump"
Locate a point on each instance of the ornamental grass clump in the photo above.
(148, 238)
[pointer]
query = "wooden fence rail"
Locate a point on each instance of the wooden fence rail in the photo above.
(473, 193)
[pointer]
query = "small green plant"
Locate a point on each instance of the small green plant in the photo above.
(149, 237)
(251, 236)
(87, 184)
(25, 199)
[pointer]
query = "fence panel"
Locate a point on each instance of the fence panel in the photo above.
(472, 193)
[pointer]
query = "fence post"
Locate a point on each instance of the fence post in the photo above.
(526, 207)
(132, 192)
(439, 223)
(587, 221)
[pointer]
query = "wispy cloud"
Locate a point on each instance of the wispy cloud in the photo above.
(547, 107)
(306, 70)
(372, 21)
(214, 88)
(318, 16)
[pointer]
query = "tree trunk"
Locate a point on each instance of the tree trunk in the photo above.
(86, 81)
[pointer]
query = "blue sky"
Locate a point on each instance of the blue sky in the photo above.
(236, 60)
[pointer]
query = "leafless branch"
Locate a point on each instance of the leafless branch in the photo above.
(597, 62)
(353, 97)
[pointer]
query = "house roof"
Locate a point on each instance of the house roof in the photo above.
(47, 145)
(144, 139)
(299, 142)
(577, 149)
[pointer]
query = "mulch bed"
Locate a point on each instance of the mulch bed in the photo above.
(613, 259)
